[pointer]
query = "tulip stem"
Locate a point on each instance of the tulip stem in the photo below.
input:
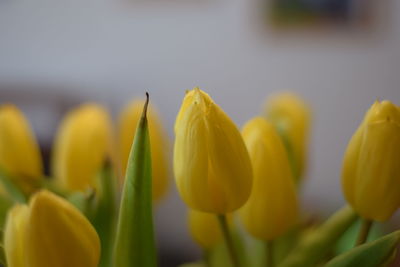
(364, 230)
(228, 239)
(269, 253)
(206, 258)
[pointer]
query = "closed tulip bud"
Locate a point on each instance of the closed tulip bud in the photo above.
(50, 232)
(371, 169)
(19, 153)
(211, 164)
(291, 116)
(204, 228)
(272, 207)
(82, 145)
(128, 121)
(14, 236)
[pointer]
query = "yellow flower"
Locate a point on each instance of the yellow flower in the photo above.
(291, 116)
(128, 121)
(272, 207)
(50, 232)
(19, 153)
(371, 169)
(14, 236)
(82, 145)
(211, 164)
(204, 228)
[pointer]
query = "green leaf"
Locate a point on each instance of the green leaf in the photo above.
(372, 254)
(83, 201)
(134, 244)
(5, 205)
(314, 246)
(348, 239)
(218, 255)
(11, 188)
(51, 184)
(104, 213)
(3, 261)
(193, 264)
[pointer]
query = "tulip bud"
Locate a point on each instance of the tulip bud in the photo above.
(291, 116)
(204, 228)
(50, 232)
(211, 164)
(19, 153)
(14, 236)
(129, 119)
(272, 207)
(371, 169)
(82, 145)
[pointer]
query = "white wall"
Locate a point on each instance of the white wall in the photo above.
(116, 49)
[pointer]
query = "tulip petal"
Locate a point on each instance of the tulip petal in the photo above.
(82, 145)
(377, 195)
(191, 158)
(211, 164)
(19, 152)
(14, 235)
(229, 172)
(59, 235)
(349, 170)
(272, 207)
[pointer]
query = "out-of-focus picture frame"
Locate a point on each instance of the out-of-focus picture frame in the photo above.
(311, 13)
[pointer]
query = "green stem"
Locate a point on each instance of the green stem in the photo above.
(269, 253)
(206, 258)
(364, 230)
(228, 239)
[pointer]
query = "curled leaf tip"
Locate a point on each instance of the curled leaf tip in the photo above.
(107, 163)
(146, 104)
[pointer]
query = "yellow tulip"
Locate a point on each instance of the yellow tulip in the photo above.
(371, 169)
(128, 121)
(211, 164)
(50, 232)
(291, 116)
(19, 152)
(204, 228)
(14, 236)
(82, 145)
(272, 207)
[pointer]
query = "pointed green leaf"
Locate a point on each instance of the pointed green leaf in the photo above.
(373, 254)
(314, 246)
(134, 244)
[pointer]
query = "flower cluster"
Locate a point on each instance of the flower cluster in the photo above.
(242, 187)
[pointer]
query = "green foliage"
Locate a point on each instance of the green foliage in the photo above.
(314, 246)
(12, 189)
(134, 244)
(103, 214)
(373, 254)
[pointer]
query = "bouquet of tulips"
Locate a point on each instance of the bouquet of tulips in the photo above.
(242, 188)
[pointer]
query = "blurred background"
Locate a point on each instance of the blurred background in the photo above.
(338, 55)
